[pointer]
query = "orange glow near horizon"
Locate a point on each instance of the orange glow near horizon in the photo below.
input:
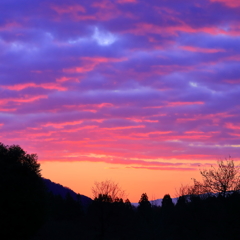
(80, 177)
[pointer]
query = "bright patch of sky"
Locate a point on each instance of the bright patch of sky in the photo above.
(103, 38)
(193, 84)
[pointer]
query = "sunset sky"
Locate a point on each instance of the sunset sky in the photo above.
(142, 92)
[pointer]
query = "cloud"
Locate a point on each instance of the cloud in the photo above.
(89, 63)
(25, 99)
(124, 79)
(103, 38)
(230, 3)
(72, 9)
(61, 125)
(177, 104)
(203, 50)
(232, 126)
(164, 168)
(50, 86)
(126, 1)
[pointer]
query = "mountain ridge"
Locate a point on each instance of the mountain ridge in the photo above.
(58, 189)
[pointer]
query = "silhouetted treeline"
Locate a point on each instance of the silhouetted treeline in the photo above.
(193, 217)
(28, 210)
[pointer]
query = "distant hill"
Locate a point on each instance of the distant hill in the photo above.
(158, 202)
(58, 189)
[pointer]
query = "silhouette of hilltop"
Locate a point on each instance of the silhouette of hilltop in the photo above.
(58, 189)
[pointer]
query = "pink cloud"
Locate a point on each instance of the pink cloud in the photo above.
(98, 120)
(8, 109)
(229, 3)
(114, 159)
(145, 28)
(177, 104)
(233, 58)
(50, 86)
(76, 12)
(213, 117)
(232, 126)
(235, 134)
(154, 107)
(61, 125)
(182, 137)
(126, 127)
(194, 132)
(67, 79)
(151, 121)
(86, 68)
(36, 71)
(10, 25)
(165, 69)
(89, 64)
(84, 17)
(202, 50)
(25, 99)
(167, 12)
(73, 9)
(135, 119)
(234, 29)
(80, 128)
(107, 10)
(105, 4)
(42, 134)
(164, 168)
(126, 1)
(104, 59)
(89, 107)
(152, 133)
(231, 81)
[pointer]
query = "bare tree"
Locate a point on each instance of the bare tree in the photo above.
(221, 179)
(108, 188)
(226, 177)
(183, 190)
(194, 189)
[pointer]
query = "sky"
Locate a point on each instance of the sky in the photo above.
(144, 93)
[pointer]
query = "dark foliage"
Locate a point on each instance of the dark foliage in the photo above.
(22, 201)
(66, 208)
(167, 202)
(193, 217)
(144, 204)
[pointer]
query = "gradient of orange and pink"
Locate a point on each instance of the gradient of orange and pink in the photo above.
(140, 92)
